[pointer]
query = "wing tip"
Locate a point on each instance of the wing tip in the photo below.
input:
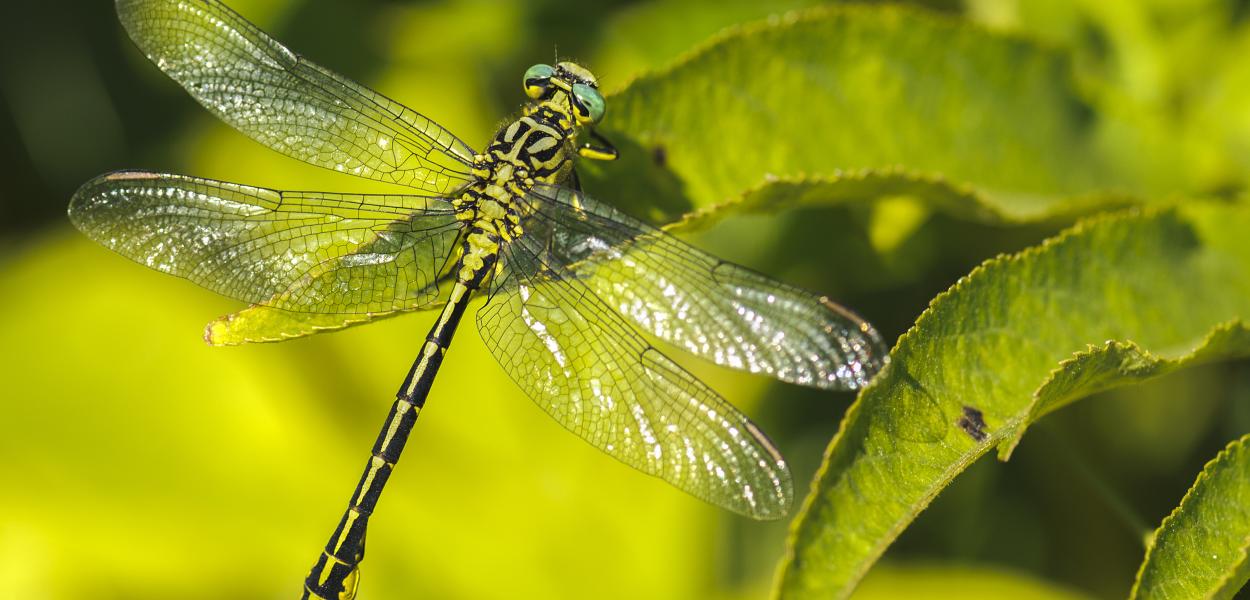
(875, 353)
(83, 195)
(782, 488)
(88, 191)
(777, 507)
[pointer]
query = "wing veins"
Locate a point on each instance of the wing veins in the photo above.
(700, 442)
(715, 309)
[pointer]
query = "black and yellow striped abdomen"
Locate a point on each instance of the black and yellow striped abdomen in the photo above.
(336, 572)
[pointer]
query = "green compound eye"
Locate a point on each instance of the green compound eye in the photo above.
(536, 80)
(588, 104)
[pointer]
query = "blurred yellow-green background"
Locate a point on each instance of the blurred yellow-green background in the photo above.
(137, 462)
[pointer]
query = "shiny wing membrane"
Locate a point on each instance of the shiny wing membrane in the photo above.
(298, 251)
(282, 100)
(590, 371)
(716, 310)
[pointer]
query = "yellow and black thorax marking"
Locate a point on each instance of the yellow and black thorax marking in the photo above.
(536, 148)
(530, 150)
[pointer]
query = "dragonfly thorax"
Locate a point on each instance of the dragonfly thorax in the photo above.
(533, 149)
(538, 145)
(536, 148)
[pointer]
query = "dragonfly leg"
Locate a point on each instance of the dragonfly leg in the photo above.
(598, 149)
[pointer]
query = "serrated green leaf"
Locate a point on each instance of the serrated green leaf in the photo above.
(648, 35)
(965, 378)
(839, 90)
(1114, 364)
(1200, 550)
(937, 193)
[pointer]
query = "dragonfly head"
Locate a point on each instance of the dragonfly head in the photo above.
(567, 88)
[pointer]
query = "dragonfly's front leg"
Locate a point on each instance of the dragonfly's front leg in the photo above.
(597, 149)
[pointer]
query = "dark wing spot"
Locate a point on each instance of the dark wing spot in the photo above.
(973, 424)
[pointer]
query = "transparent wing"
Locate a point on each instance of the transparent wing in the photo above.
(298, 251)
(584, 365)
(717, 310)
(280, 99)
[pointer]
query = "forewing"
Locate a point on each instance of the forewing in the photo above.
(299, 251)
(714, 309)
(282, 100)
(583, 364)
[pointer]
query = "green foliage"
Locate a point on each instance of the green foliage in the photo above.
(869, 185)
(1172, 70)
(1117, 363)
(867, 91)
(865, 103)
(1200, 550)
(988, 356)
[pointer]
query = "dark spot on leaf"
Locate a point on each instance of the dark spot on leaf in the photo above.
(659, 155)
(973, 424)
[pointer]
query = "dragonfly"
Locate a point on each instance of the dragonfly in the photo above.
(570, 284)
